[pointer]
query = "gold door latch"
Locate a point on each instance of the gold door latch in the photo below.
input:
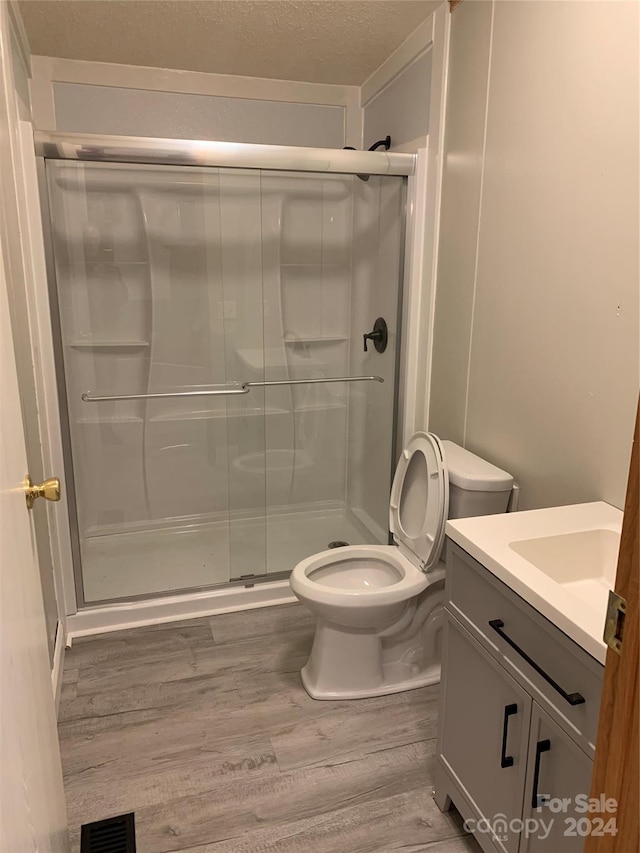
(614, 624)
(49, 490)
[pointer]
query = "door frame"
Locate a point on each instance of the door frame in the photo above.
(45, 372)
(32, 792)
(31, 783)
(25, 256)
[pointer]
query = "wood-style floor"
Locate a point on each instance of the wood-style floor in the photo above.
(203, 729)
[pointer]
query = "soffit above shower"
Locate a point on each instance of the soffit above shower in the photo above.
(318, 41)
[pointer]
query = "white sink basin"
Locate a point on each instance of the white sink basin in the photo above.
(561, 560)
(584, 563)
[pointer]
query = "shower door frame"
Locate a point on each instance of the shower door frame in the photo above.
(93, 148)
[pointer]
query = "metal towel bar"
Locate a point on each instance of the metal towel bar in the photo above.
(227, 391)
(314, 381)
(213, 392)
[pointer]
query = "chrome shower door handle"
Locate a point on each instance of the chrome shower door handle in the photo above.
(228, 391)
(231, 390)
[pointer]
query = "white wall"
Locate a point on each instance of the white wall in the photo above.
(465, 120)
(536, 345)
(97, 97)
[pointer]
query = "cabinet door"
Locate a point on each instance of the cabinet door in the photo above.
(484, 731)
(557, 770)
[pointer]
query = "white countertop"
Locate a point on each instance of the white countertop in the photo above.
(487, 539)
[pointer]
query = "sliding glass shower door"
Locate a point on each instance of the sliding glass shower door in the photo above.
(200, 313)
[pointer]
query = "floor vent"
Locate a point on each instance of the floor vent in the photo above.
(113, 835)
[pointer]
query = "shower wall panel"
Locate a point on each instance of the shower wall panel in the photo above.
(83, 108)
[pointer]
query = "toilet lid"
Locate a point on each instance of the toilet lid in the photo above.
(420, 500)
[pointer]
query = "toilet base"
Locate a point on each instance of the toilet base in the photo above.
(358, 663)
(397, 677)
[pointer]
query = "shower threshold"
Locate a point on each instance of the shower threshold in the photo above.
(140, 563)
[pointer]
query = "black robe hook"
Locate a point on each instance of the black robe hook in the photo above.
(386, 143)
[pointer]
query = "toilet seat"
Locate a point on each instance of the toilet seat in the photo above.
(420, 501)
(409, 581)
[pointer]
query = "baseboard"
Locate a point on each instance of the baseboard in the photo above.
(58, 664)
(136, 614)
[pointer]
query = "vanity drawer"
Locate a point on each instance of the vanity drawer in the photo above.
(554, 669)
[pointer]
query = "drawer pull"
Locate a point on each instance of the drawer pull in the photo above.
(509, 711)
(571, 698)
(541, 746)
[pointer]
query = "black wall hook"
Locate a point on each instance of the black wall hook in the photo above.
(386, 143)
(381, 143)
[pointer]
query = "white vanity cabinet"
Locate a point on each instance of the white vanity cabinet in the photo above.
(518, 717)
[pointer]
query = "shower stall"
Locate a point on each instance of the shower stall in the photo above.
(224, 414)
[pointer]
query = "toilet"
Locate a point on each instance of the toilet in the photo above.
(379, 608)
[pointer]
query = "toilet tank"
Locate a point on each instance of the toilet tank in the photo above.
(476, 487)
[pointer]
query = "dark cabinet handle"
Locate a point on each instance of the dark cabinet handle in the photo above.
(506, 760)
(571, 698)
(541, 746)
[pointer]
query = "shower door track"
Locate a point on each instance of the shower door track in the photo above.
(100, 148)
(228, 391)
(234, 584)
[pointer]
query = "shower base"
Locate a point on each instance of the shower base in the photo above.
(147, 562)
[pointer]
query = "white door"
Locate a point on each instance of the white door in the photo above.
(32, 806)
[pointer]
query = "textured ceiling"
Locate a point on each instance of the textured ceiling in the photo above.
(322, 41)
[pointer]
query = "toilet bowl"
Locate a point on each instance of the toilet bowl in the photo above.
(379, 608)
